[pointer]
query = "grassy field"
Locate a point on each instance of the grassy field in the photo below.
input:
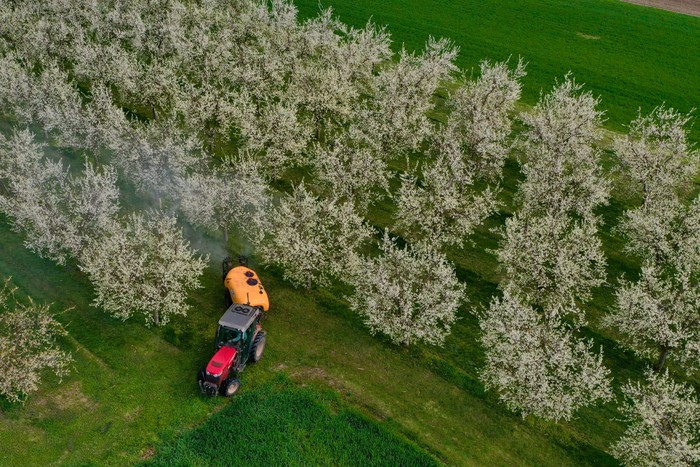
(280, 424)
(631, 56)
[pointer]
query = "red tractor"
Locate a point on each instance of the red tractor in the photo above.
(240, 340)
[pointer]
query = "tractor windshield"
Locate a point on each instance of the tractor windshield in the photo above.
(229, 337)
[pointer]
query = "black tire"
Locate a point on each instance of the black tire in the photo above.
(230, 387)
(200, 376)
(258, 347)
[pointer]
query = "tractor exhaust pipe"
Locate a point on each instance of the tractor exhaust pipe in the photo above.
(226, 266)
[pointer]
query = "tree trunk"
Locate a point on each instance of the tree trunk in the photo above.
(209, 136)
(156, 318)
(662, 359)
(226, 234)
(94, 150)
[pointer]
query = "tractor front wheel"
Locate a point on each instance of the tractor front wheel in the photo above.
(230, 387)
(258, 348)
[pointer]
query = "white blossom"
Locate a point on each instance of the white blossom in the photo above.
(320, 82)
(143, 267)
(154, 158)
(274, 131)
(232, 196)
(479, 123)
(538, 367)
(363, 50)
(402, 94)
(444, 207)
(312, 238)
(16, 88)
(35, 197)
(28, 347)
(207, 111)
(110, 64)
(658, 315)
(664, 423)
(657, 155)
(101, 122)
(351, 170)
(55, 210)
(552, 261)
(410, 294)
(560, 162)
(665, 232)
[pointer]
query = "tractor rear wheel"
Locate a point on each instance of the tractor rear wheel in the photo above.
(258, 348)
(230, 387)
(227, 298)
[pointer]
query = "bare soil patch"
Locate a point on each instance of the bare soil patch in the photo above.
(687, 7)
(67, 398)
(148, 453)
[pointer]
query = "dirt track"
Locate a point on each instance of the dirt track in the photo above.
(688, 7)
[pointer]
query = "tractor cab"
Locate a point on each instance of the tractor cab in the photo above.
(237, 325)
(229, 337)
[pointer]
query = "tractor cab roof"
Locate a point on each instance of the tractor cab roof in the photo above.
(239, 317)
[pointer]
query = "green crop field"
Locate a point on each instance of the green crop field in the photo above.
(325, 386)
(631, 56)
(280, 424)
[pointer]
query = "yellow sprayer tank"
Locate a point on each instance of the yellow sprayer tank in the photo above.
(245, 288)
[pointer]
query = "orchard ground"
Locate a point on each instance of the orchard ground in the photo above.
(133, 388)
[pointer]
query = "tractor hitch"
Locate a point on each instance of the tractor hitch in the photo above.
(208, 389)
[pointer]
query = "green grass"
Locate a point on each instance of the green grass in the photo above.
(631, 56)
(281, 424)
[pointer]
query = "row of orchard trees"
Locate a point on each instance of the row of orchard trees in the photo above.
(199, 105)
